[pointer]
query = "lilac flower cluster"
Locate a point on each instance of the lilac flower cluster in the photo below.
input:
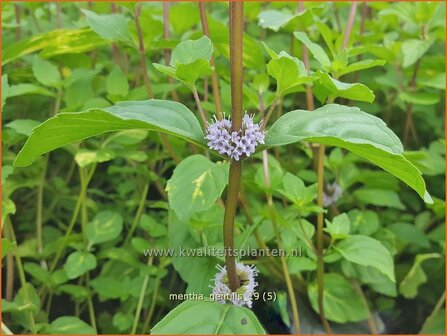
(235, 144)
(332, 194)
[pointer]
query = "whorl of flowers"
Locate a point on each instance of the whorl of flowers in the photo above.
(234, 144)
(244, 294)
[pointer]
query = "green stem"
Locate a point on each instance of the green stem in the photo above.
(320, 241)
(141, 299)
(21, 272)
(270, 112)
(236, 74)
(285, 269)
(139, 213)
(84, 176)
(148, 319)
(199, 107)
(141, 50)
(214, 78)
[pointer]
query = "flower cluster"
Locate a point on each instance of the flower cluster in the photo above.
(243, 295)
(332, 194)
(235, 144)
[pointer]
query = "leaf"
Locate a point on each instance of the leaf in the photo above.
(190, 61)
(318, 53)
(55, 42)
(354, 130)
(295, 190)
(361, 65)
(26, 89)
(273, 19)
(79, 263)
(288, 71)
(213, 318)
(105, 226)
(190, 51)
(6, 246)
(416, 276)
(195, 185)
(434, 324)
(109, 26)
(46, 73)
(117, 83)
(5, 89)
(414, 49)
(420, 98)
(85, 157)
(109, 287)
(367, 251)
(379, 197)
(339, 227)
(410, 233)
(342, 303)
(70, 325)
(23, 126)
(65, 128)
(326, 86)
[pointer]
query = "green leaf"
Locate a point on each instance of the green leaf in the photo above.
(367, 251)
(361, 65)
(379, 197)
(70, 325)
(413, 49)
(189, 51)
(46, 73)
(410, 233)
(109, 26)
(105, 226)
(434, 324)
(117, 83)
(288, 71)
(339, 227)
(273, 19)
(23, 126)
(151, 226)
(354, 130)
(318, 53)
(26, 89)
(416, 276)
(6, 246)
(5, 89)
(326, 86)
(342, 303)
(295, 190)
(79, 263)
(213, 318)
(109, 287)
(65, 128)
(195, 185)
(85, 157)
(55, 42)
(420, 98)
(190, 61)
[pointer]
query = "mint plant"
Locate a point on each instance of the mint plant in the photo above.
(148, 131)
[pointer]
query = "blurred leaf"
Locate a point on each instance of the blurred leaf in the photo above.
(326, 86)
(420, 98)
(23, 126)
(195, 185)
(373, 253)
(413, 49)
(318, 53)
(46, 73)
(105, 226)
(70, 325)
(339, 227)
(109, 26)
(117, 83)
(379, 197)
(416, 276)
(79, 263)
(361, 65)
(205, 317)
(27, 89)
(434, 324)
(342, 303)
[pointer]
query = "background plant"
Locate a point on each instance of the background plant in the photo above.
(75, 222)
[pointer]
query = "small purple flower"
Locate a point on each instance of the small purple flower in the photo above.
(234, 144)
(332, 194)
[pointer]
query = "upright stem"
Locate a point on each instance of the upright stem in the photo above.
(141, 50)
(236, 73)
(59, 15)
(350, 24)
(309, 96)
(141, 299)
(199, 107)
(285, 269)
(166, 51)
(214, 78)
(320, 241)
(18, 12)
